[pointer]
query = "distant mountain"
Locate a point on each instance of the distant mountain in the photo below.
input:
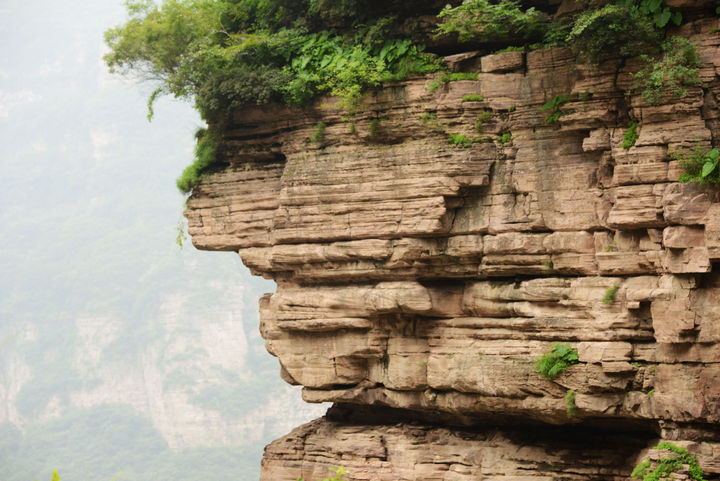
(120, 354)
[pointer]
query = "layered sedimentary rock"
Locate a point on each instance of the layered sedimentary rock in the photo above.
(426, 277)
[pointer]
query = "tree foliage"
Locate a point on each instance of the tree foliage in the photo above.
(614, 28)
(677, 69)
(488, 21)
(627, 27)
(225, 54)
(229, 53)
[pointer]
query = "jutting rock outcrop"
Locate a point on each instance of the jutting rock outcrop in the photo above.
(419, 280)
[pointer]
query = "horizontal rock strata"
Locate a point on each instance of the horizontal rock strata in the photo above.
(420, 275)
(405, 452)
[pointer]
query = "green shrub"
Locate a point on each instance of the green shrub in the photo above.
(609, 296)
(570, 406)
(226, 54)
(630, 136)
(448, 77)
(488, 21)
(428, 117)
(318, 136)
(699, 165)
(613, 29)
(556, 360)
(205, 158)
(229, 53)
(554, 105)
(430, 121)
(473, 98)
(664, 468)
(482, 119)
(675, 71)
(505, 138)
(459, 140)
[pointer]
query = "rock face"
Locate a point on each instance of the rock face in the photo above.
(417, 276)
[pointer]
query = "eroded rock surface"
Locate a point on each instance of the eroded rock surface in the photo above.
(427, 277)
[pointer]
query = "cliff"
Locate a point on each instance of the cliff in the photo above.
(418, 281)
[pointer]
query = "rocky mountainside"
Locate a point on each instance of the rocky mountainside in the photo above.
(419, 280)
(187, 360)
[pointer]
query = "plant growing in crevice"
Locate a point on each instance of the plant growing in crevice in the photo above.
(554, 108)
(556, 360)
(448, 77)
(431, 122)
(505, 138)
(677, 69)
(473, 98)
(699, 165)
(664, 467)
(459, 140)
(570, 406)
(318, 136)
(482, 119)
(609, 296)
(630, 136)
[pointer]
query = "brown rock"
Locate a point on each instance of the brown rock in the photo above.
(428, 278)
(503, 62)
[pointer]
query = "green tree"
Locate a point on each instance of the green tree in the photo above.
(225, 54)
(228, 53)
(488, 21)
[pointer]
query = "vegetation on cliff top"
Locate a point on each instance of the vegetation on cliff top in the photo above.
(225, 54)
(228, 53)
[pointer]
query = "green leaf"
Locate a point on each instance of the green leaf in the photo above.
(676, 18)
(713, 154)
(662, 18)
(384, 51)
(655, 5)
(708, 168)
